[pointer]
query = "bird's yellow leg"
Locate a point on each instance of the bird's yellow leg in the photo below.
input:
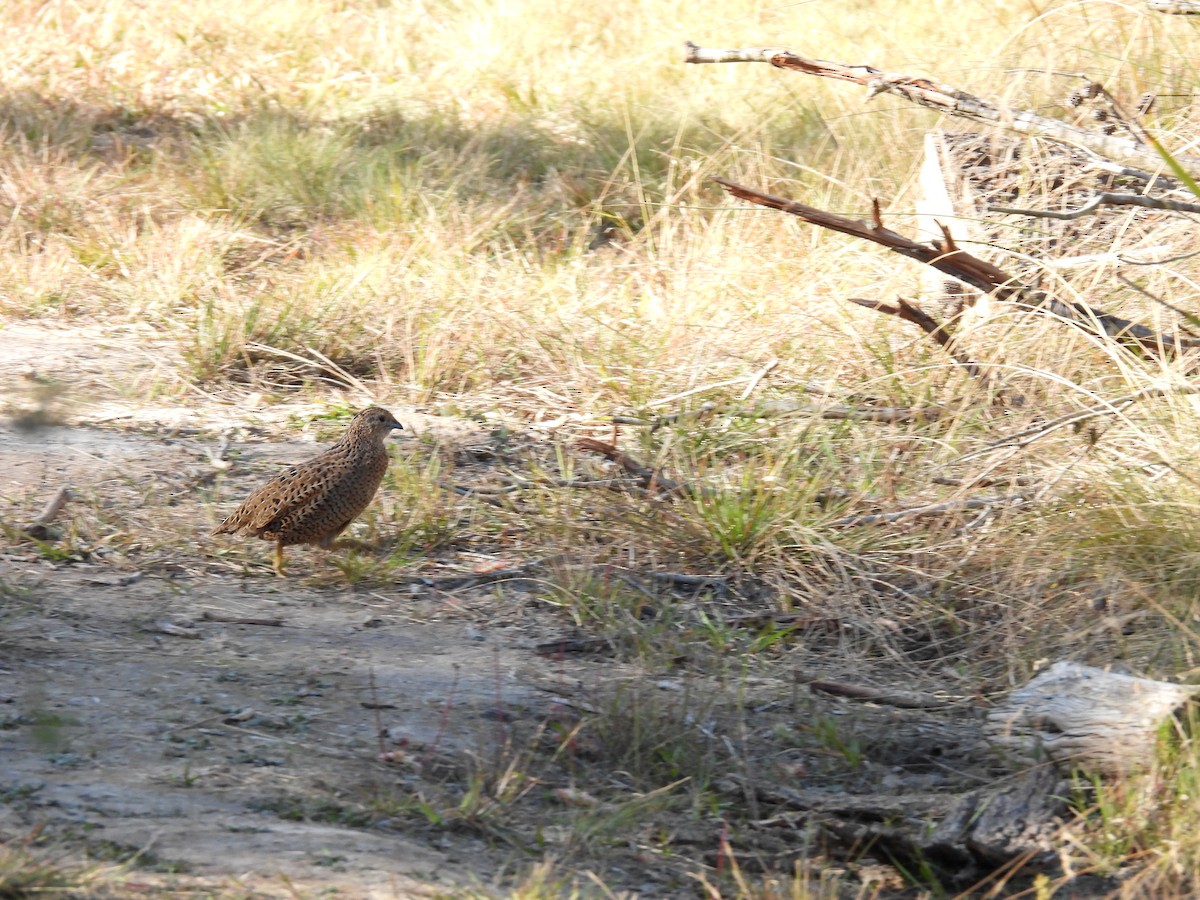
(279, 558)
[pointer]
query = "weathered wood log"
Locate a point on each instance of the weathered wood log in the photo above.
(992, 826)
(1071, 715)
(975, 831)
(1079, 716)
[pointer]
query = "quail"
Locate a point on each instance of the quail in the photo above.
(314, 502)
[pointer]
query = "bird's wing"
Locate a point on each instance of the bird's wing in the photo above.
(289, 492)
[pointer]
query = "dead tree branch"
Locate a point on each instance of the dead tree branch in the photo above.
(1105, 198)
(948, 258)
(910, 312)
(947, 99)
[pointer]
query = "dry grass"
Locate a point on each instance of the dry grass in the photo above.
(502, 212)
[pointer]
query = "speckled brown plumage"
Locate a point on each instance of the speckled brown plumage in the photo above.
(314, 502)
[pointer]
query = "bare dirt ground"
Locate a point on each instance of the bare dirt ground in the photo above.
(205, 748)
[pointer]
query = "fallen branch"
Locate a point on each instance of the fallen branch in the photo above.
(272, 622)
(565, 645)
(682, 579)
(461, 579)
(933, 509)
(758, 377)
(1022, 439)
(948, 258)
(1017, 481)
(1105, 198)
(946, 99)
(650, 478)
(492, 494)
(910, 312)
(769, 408)
(898, 699)
(794, 621)
(474, 493)
(173, 630)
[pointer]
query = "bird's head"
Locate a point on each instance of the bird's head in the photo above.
(373, 423)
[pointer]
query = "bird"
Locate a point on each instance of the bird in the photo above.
(314, 502)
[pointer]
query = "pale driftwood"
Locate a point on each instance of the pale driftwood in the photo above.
(53, 506)
(947, 257)
(757, 379)
(947, 99)
(1079, 716)
(273, 622)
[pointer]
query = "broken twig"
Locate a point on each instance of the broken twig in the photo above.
(650, 478)
(933, 509)
(39, 528)
(1022, 439)
(272, 622)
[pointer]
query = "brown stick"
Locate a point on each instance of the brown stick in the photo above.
(650, 478)
(911, 313)
(971, 270)
(241, 620)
